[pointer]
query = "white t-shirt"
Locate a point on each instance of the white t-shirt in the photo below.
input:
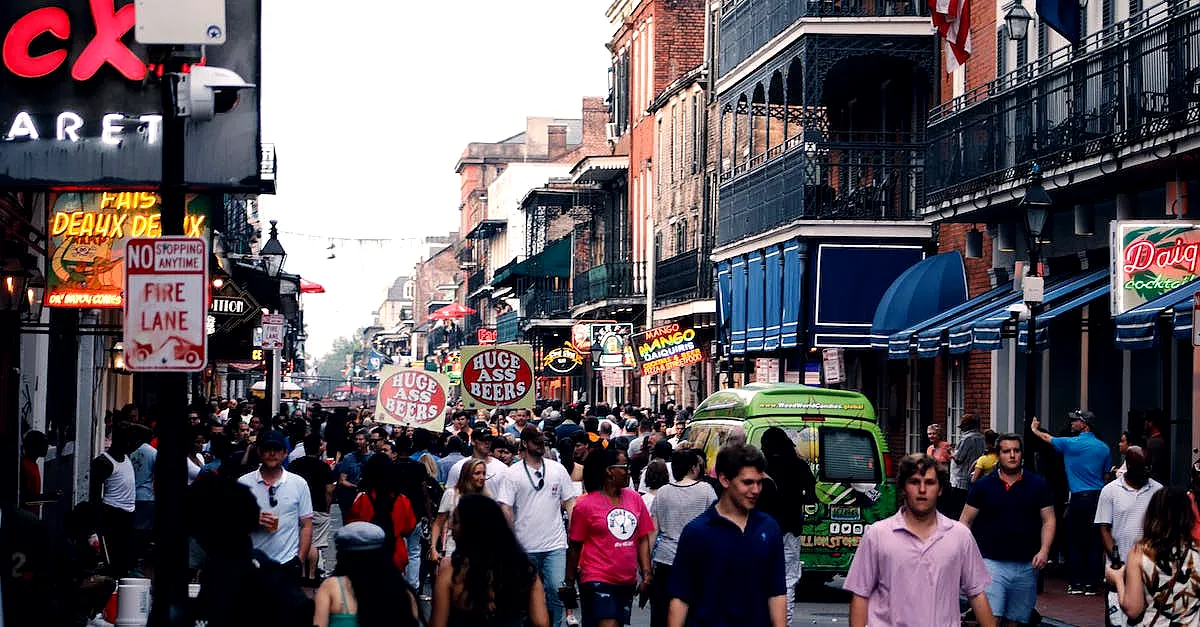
(495, 469)
(449, 502)
(537, 513)
(296, 453)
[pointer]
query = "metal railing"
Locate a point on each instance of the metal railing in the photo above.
(476, 280)
(681, 278)
(267, 168)
(824, 180)
(747, 25)
(622, 279)
(1131, 83)
(544, 303)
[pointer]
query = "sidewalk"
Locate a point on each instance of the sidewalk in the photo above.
(1059, 609)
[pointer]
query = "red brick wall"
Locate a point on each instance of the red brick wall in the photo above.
(978, 400)
(981, 65)
(679, 39)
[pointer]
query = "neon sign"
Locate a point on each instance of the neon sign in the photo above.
(1151, 259)
(105, 47)
(665, 348)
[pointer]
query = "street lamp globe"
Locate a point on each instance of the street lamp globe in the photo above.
(272, 252)
(1017, 19)
(1036, 202)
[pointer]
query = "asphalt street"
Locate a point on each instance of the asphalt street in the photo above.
(828, 606)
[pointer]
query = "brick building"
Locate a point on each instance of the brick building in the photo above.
(435, 284)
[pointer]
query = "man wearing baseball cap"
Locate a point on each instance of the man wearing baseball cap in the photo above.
(284, 531)
(1086, 459)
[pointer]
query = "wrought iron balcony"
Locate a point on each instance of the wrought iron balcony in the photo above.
(682, 278)
(747, 25)
(476, 280)
(849, 178)
(542, 303)
(622, 279)
(267, 169)
(507, 328)
(1123, 89)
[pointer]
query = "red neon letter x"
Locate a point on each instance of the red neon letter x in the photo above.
(107, 46)
(51, 20)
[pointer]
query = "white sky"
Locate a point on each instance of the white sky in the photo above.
(369, 106)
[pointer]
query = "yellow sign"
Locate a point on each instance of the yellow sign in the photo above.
(88, 231)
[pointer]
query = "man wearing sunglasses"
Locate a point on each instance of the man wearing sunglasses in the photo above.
(285, 506)
(533, 493)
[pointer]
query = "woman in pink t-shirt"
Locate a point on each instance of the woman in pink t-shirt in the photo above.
(609, 541)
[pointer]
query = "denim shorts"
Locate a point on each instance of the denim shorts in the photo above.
(605, 601)
(1013, 591)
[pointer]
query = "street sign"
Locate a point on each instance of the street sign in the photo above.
(272, 331)
(1196, 319)
(1033, 289)
(166, 304)
(834, 362)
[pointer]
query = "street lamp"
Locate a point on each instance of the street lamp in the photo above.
(272, 252)
(1036, 203)
(1017, 20)
(35, 292)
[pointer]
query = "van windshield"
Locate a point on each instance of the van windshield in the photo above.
(849, 455)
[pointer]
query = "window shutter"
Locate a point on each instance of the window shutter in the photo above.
(1001, 50)
(1106, 13)
(1043, 35)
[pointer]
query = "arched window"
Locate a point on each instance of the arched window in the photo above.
(409, 289)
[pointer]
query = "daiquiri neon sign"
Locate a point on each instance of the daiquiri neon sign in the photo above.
(1151, 259)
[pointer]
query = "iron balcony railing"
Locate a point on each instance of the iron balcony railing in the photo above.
(747, 25)
(542, 303)
(476, 280)
(846, 178)
(507, 327)
(1132, 83)
(682, 278)
(267, 169)
(622, 279)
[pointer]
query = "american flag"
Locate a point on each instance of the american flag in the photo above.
(952, 20)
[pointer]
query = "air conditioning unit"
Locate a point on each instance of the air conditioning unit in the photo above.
(611, 132)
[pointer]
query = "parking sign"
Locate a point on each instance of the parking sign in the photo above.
(272, 332)
(166, 304)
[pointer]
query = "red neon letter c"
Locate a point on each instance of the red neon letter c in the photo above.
(51, 20)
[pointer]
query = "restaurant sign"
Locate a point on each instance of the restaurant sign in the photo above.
(1150, 259)
(665, 348)
(562, 361)
(87, 234)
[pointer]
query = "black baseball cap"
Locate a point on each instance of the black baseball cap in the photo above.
(1087, 417)
(272, 440)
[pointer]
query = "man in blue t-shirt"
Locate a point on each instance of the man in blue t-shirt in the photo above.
(1086, 459)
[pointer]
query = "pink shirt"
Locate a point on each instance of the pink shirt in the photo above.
(913, 583)
(610, 535)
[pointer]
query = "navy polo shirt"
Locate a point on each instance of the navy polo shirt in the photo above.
(1008, 527)
(725, 574)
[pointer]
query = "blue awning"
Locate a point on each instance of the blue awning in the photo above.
(773, 277)
(1046, 317)
(754, 302)
(737, 298)
(933, 285)
(985, 332)
(793, 274)
(927, 335)
(1138, 328)
(724, 306)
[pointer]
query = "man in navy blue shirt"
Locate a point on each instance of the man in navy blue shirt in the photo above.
(1086, 459)
(731, 537)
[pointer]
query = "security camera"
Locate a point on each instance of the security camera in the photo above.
(1019, 311)
(207, 91)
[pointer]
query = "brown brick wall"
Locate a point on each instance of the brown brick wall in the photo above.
(440, 269)
(679, 191)
(978, 383)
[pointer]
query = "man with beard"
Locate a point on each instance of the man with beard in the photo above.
(1011, 512)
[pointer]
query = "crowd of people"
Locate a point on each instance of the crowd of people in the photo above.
(563, 515)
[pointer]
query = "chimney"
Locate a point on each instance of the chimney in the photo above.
(595, 116)
(556, 140)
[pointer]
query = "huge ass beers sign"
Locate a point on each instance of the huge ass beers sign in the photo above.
(82, 106)
(498, 376)
(412, 398)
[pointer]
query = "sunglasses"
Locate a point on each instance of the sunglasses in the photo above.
(624, 467)
(271, 495)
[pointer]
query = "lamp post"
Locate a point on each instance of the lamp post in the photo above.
(1017, 19)
(1036, 204)
(273, 255)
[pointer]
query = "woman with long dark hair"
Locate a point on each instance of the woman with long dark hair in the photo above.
(1161, 580)
(362, 591)
(789, 486)
(489, 581)
(382, 504)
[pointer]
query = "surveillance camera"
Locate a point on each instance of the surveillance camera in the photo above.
(1019, 311)
(208, 90)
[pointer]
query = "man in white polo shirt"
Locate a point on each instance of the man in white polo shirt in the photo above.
(533, 494)
(285, 505)
(1123, 503)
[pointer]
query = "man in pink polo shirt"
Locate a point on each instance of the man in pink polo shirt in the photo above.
(910, 568)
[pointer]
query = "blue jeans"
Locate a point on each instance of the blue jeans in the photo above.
(1085, 565)
(412, 573)
(552, 567)
(1013, 591)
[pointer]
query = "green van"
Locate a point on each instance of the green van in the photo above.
(835, 432)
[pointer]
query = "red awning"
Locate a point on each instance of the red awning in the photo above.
(309, 287)
(453, 310)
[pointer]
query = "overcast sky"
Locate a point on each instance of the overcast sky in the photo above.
(369, 106)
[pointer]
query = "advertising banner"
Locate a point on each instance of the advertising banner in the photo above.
(498, 376)
(613, 340)
(87, 236)
(665, 348)
(561, 362)
(412, 398)
(1150, 259)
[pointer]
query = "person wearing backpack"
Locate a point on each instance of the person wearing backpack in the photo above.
(382, 504)
(788, 487)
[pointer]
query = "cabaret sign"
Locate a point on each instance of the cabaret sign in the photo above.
(665, 348)
(411, 398)
(498, 377)
(1151, 259)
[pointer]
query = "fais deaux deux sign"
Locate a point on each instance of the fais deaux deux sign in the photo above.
(1150, 259)
(81, 103)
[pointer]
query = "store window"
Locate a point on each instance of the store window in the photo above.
(956, 391)
(912, 410)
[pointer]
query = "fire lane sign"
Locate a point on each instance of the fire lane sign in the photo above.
(166, 304)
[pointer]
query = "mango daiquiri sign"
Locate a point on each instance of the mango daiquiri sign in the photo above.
(665, 348)
(1150, 259)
